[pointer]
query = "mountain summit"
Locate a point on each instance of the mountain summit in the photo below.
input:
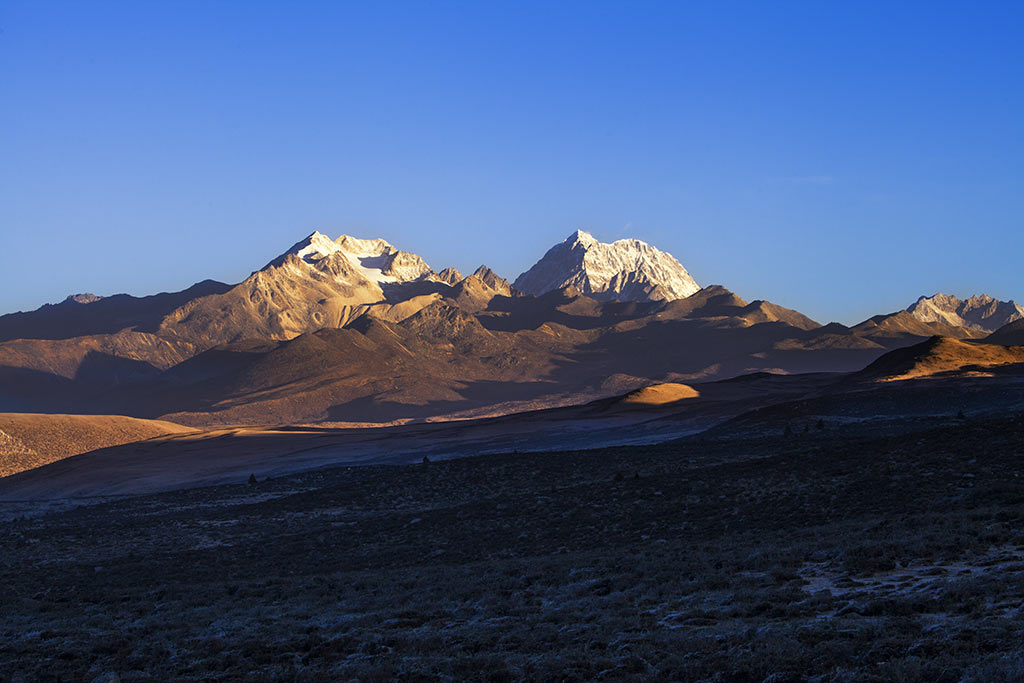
(375, 260)
(626, 270)
(981, 312)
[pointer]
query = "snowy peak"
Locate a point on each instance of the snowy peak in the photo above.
(317, 283)
(583, 239)
(381, 262)
(375, 259)
(980, 312)
(403, 266)
(311, 249)
(357, 247)
(626, 270)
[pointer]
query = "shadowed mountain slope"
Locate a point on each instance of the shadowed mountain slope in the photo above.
(221, 455)
(444, 360)
(82, 315)
(1011, 334)
(895, 329)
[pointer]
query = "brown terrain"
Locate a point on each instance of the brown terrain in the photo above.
(30, 440)
(660, 394)
(467, 351)
(224, 455)
(940, 355)
(857, 551)
(933, 380)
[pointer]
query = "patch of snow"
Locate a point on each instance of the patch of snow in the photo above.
(374, 259)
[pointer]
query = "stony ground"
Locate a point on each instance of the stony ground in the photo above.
(820, 556)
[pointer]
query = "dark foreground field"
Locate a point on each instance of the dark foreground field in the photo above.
(821, 556)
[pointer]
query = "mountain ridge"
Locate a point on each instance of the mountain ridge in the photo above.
(980, 312)
(352, 329)
(626, 270)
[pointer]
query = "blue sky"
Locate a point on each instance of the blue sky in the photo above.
(837, 158)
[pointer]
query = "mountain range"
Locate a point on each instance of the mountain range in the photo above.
(358, 331)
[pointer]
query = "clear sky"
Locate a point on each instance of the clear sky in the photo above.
(840, 158)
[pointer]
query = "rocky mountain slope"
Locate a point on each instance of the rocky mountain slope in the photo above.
(1009, 334)
(87, 314)
(513, 354)
(317, 283)
(980, 313)
(941, 315)
(625, 270)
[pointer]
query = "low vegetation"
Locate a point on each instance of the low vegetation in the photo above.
(790, 558)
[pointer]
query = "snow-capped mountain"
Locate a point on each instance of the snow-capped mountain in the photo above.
(375, 260)
(318, 282)
(626, 270)
(980, 312)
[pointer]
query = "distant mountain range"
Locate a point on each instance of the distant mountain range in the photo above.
(352, 330)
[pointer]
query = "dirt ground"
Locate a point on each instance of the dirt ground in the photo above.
(29, 440)
(814, 556)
